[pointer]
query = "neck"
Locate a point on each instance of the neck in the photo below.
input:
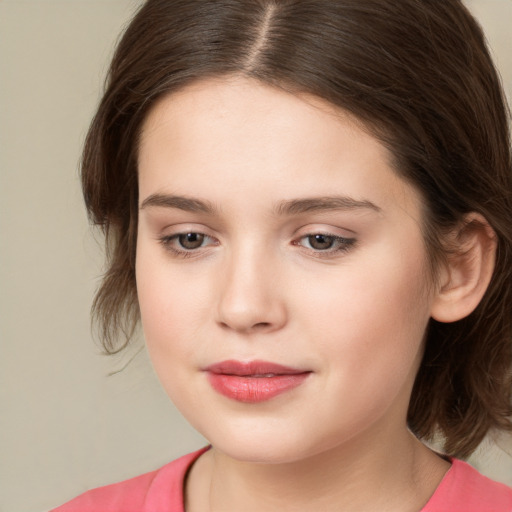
(389, 473)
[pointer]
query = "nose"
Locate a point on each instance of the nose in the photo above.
(251, 295)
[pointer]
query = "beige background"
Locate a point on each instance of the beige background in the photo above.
(65, 426)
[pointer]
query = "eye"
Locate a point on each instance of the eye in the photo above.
(187, 244)
(325, 244)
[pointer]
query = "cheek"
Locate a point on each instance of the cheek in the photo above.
(169, 320)
(166, 304)
(371, 320)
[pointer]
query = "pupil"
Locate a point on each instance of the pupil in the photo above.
(191, 240)
(321, 241)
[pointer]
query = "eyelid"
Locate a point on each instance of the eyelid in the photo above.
(183, 228)
(324, 228)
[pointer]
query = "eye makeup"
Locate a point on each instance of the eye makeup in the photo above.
(319, 244)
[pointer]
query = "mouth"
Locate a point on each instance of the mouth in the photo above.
(254, 381)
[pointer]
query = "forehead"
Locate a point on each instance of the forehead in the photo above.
(253, 104)
(230, 133)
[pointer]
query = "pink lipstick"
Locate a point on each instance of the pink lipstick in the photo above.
(255, 381)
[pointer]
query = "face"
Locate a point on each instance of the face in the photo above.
(281, 271)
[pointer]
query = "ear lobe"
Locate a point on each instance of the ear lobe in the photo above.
(467, 271)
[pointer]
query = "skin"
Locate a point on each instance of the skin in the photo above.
(257, 289)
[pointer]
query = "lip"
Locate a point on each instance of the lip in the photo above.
(254, 381)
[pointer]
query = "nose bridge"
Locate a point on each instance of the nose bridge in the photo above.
(250, 297)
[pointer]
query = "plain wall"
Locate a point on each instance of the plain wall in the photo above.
(65, 425)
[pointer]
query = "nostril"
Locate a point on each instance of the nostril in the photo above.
(260, 325)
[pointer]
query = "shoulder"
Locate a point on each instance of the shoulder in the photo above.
(157, 491)
(464, 489)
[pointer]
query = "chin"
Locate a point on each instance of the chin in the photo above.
(261, 442)
(268, 442)
(259, 452)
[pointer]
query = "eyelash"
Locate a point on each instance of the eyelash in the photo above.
(343, 244)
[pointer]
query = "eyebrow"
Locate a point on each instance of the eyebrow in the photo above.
(283, 208)
(187, 204)
(297, 206)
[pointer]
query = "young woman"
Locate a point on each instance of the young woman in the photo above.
(308, 203)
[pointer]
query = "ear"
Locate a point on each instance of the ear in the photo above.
(466, 274)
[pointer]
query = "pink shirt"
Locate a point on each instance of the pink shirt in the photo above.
(462, 489)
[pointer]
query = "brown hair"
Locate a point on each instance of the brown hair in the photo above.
(417, 73)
